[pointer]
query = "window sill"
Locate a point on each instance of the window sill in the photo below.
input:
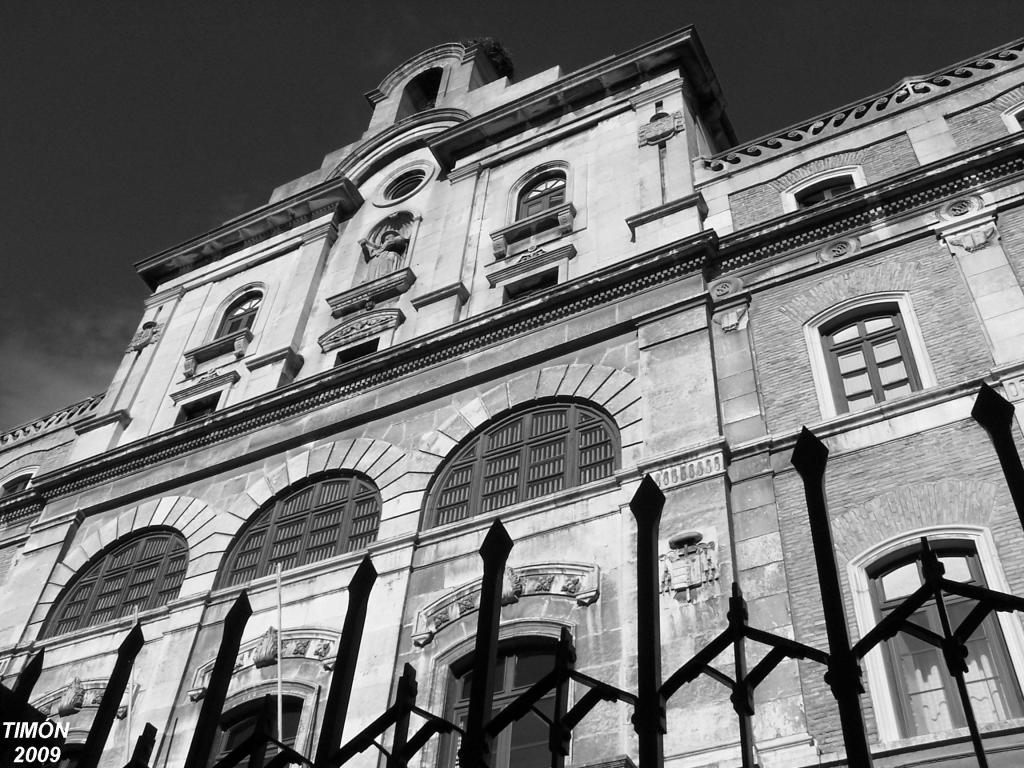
(558, 220)
(368, 294)
(236, 343)
(945, 738)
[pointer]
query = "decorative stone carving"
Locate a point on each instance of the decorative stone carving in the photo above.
(73, 698)
(689, 565)
(973, 239)
(197, 694)
(506, 269)
(555, 221)
(362, 326)
(367, 295)
(385, 248)
(314, 645)
(662, 127)
(962, 206)
(265, 654)
(725, 288)
(688, 471)
(577, 581)
(1013, 388)
(838, 249)
(146, 335)
(734, 319)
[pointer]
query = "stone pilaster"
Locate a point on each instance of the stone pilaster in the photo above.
(972, 236)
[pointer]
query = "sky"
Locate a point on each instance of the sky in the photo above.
(128, 127)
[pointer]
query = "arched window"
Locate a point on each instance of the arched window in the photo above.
(868, 357)
(240, 315)
(924, 693)
(824, 190)
(16, 484)
(239, 723)
(313, 522)
(542, 194)
(420, 93)
(521, 663)
(141, 573)
(524, 455)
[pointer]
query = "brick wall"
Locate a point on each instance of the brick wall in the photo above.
(1011, 231)
(854, 483)
(879, 161)
(952, 333)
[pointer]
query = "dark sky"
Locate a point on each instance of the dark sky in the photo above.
(126, 127)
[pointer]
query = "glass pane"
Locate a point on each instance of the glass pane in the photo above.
(901, 581)
(846, 334)
(886, 351)
(923, 673)
(900, 390)
(529, 669)
(852, 361)
(529, 747)
(855, 385)
(957, 568)
(861, 403)
(877, 324)
(892, 373)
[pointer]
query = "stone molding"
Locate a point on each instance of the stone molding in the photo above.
(61, 418)
(205, 383)
(913, 191)
(559, 219)
(367, 295)
(304, 644)
(696, 200)
(236, 344)
(359, 327)
(573, 581)
(660, 130)
(120, 416)
(80, 694)
(908, 93)
(513, 266)
(456, 290)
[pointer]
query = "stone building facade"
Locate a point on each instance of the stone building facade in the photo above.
(512, 298)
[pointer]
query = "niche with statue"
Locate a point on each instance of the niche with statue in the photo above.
(386, 248)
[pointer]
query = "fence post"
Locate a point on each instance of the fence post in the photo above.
(809, 458)
(742, 694)
(217, 686)
(995, 414)
(107, 711)
(27, 678)
(143, 747)
(475, 750)
(405, 699)
(340, 692)
(649, 714)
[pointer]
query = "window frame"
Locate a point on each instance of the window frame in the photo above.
(223, 327)
(551, 199)
(456, 671)
(247, 711)
(1012, 118)
(270, 514)
(790, 197)
(469, 454)
(878, 678)
(100, 566)
(820, 366)
(18, 475)
(863, 343)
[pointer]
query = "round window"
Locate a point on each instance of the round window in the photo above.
(405, 185)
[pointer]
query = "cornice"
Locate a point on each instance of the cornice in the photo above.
(679, 49)
(649, 270)
(337, 195)
(901, 195)
(61, 418)
(907, 93)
